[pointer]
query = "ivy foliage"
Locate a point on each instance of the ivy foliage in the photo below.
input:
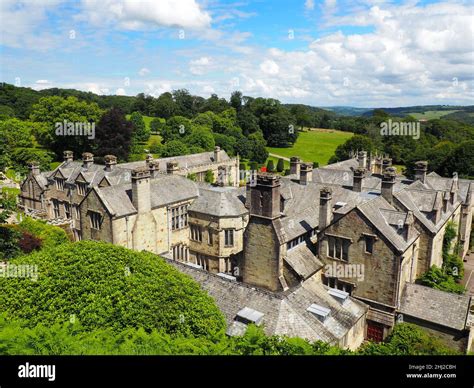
(106, 286)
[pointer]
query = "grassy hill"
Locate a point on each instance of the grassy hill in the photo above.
(315, 145)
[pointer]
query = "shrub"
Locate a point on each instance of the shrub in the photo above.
(280, 165)
(270, 166)
(49, 235)
(209, 177)
(9, 237)
(253, 166)
(106, 286)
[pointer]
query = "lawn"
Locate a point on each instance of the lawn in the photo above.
(432, 114)
(316, 145)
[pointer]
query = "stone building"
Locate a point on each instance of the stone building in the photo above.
(338, 248)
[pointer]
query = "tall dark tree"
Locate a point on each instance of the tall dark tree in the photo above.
(114, 135)
(236, 100)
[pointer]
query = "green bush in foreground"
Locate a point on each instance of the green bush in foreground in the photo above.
(16, 338)
(106, 286)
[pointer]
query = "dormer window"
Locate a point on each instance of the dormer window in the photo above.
(60, 184)
(81, 188)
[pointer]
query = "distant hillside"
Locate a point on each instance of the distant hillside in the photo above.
(347, 110)
(422, 111)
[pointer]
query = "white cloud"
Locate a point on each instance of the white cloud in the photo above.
(309, 4)
(200, 66)
(143, 71)
(269, 67)
(19, 19)
(138, 15)
(120, 92)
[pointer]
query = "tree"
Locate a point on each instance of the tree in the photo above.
(461, 160)
(278, 128)
(209, 177)
(227, 143)
(164, 106)
(355, 143)
(270, 166)
(315, 164)
(280, 165)
(176, 128)
(112, 287)
(61, 115)
(236, 100)
(174, 148)
(184, 103)
(140, 132)
(247, 121)
(156, 124)
(114, 135)
(257, 144)
(202, 138)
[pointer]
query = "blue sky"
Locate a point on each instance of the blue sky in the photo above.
(361, 53)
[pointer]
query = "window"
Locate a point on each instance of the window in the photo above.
(77, 212)
(81, 188)
(56, 208)
(338, 248)
(196, 232)
(180, 252)
(209, 237)
(338, 284)
(60, 184)
(95, 219)
(179, 217)
(203, 261)
(229, 237)
(369, 244)
(67, 210)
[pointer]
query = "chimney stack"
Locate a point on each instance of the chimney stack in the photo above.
(68, 156)
(386, 163)
(306, 173)
(87, 160)
(34, 168)
(410, 225)
(265, 196)
(388, 181)
(172, 167)
(362, 158)
(359, 174)
(421, 167)
(222, 178)
(295, 164)
(325, 207)
(141, 189)
(110, 162)
(217, 154)
(154, 168)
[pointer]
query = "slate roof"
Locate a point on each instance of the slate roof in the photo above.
(386, 220)
(219, 201)
(303, 261)
(284, 313)
(440, 307)
(184, 161)
(164, 190)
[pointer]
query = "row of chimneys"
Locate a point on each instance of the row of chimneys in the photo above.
(265, 200)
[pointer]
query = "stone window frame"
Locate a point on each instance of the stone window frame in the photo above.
(81, 188)
(95, 219)
(179, 217)
(195, 232)
(229, 234)
(59, 183)
(338, 245)
(373, 238)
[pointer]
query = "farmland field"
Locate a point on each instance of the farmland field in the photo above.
(431, 114)
(316, 145)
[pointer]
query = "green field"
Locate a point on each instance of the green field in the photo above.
(431, 114)
(317, 145)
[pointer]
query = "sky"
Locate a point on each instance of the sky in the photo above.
(364, 53)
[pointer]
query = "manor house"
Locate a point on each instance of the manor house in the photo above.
(331, 253)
